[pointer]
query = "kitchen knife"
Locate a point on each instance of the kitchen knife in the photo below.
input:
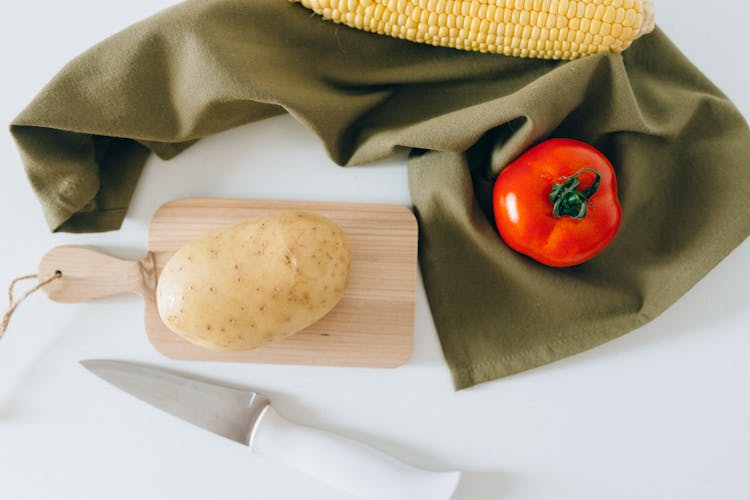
(248, 418)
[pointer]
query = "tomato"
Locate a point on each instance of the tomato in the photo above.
(557, 203)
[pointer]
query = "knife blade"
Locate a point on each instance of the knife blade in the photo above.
(248, 418)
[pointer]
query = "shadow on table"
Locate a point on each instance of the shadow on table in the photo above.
(484, 485)
(51, 359)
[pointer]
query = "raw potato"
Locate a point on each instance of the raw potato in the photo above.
(254, 282)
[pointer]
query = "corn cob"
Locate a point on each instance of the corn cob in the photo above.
(547, 29)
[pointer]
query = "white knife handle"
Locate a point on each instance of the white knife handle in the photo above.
(347, 465)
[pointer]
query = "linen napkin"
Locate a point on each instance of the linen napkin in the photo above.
(679, 147)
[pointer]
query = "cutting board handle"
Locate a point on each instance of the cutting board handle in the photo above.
(87, 274)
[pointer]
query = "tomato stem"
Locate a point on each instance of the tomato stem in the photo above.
(567, 201)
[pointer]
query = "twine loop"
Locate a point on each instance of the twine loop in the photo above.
(13, 304)
(147, 268)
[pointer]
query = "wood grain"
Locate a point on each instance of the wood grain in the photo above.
(372, 326)
(89, 275)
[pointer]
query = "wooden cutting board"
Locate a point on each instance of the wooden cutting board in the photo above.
(372, 326)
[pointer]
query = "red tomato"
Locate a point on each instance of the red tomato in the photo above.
(557, 203)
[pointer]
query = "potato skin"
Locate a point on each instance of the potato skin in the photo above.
(254, 282)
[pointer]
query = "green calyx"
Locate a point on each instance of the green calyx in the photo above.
(568, 201)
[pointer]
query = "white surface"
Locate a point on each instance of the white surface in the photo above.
(661, 413)
(346, 464)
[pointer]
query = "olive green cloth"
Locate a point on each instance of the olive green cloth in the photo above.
(679, 147)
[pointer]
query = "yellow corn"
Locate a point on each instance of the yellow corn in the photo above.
(547, 29)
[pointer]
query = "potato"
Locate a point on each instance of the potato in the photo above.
(260, 280)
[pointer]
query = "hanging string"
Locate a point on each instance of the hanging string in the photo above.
(13, 304)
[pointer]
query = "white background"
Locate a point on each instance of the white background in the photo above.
(662, 413)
